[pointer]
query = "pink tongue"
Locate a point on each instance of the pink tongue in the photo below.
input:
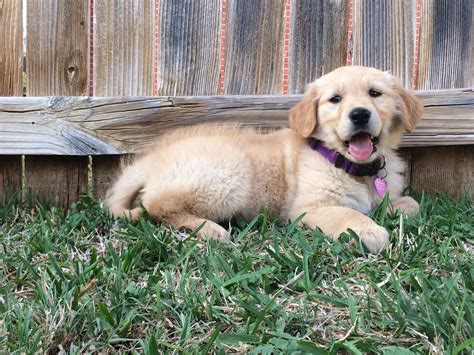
(360, 146)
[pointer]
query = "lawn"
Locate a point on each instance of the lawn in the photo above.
(79, 281)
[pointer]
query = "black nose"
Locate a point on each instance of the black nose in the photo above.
(359, 116)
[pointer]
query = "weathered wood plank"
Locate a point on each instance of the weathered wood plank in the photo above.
(11, 83)
(123, 63)
(318, 40)
(11, 44)
(59, 180)
(57, 64)
(91, 125)
(446, 42)
(254, 47)
(445, 61)
(189, 47)
(448, 169)
(104, 171)
(447, 119)
(57, 48)
(123, 48)
(10, 176)
(383, 36)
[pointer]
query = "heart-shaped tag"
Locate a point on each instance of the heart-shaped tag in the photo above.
(380, 185)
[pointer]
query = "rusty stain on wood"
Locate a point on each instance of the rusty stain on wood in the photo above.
(254, 47)
(189, 47)
(318, 41)
(90, 126)
(383, 36)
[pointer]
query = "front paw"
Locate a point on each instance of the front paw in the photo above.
(212, 230)
(374, 237)
(406, 205)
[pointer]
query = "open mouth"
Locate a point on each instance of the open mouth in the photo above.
(362, 145)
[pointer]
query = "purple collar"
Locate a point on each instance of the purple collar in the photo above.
(339, 161)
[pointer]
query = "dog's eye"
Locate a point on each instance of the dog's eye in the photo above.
(335, 99)
(374, 93)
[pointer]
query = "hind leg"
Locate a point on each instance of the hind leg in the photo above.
(209, 228)
(177, 211)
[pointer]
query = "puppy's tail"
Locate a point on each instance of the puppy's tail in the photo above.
(121, 197)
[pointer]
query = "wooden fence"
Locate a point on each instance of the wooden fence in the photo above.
(103, 77)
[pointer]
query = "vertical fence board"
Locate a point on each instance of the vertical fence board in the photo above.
(449, 169)
(11, 44)
(446, 41)
(59, 180)
(316, 46)
(104, 170)
(10, 176)
(383, 36)
(57, 48)
(123, 64)
(57, 64)
(189, 47)
(254, 47)
(123, 48)
(11, 82)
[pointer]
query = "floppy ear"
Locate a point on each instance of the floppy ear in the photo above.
(303, 115)
(411, 108)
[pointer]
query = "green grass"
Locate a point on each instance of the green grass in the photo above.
(82, 282)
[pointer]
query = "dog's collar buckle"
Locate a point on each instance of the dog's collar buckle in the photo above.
(339, 160)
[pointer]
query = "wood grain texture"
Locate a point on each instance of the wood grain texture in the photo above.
(189, 47)
(446, 42)
(59, 180)
(318, 40)
(89, 126)
(10, 176)
(447, 119)
(57, 47)
(123, 47)
(383, 36)
(448, 169)
(57, 64)
(11, 83)
(254, 47)
(11, 44)
(105, 169)
(123, 61)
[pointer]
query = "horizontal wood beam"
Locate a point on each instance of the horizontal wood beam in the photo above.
(79, 125)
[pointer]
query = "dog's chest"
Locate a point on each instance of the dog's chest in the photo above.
(321, 184)
(360, 196)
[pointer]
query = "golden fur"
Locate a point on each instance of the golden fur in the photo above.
(205, 174)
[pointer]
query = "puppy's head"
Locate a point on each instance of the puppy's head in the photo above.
(359, 111)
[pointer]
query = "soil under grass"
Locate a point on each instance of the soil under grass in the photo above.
(79, 281)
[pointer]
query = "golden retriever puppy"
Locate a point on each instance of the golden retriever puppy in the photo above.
(333, 165)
